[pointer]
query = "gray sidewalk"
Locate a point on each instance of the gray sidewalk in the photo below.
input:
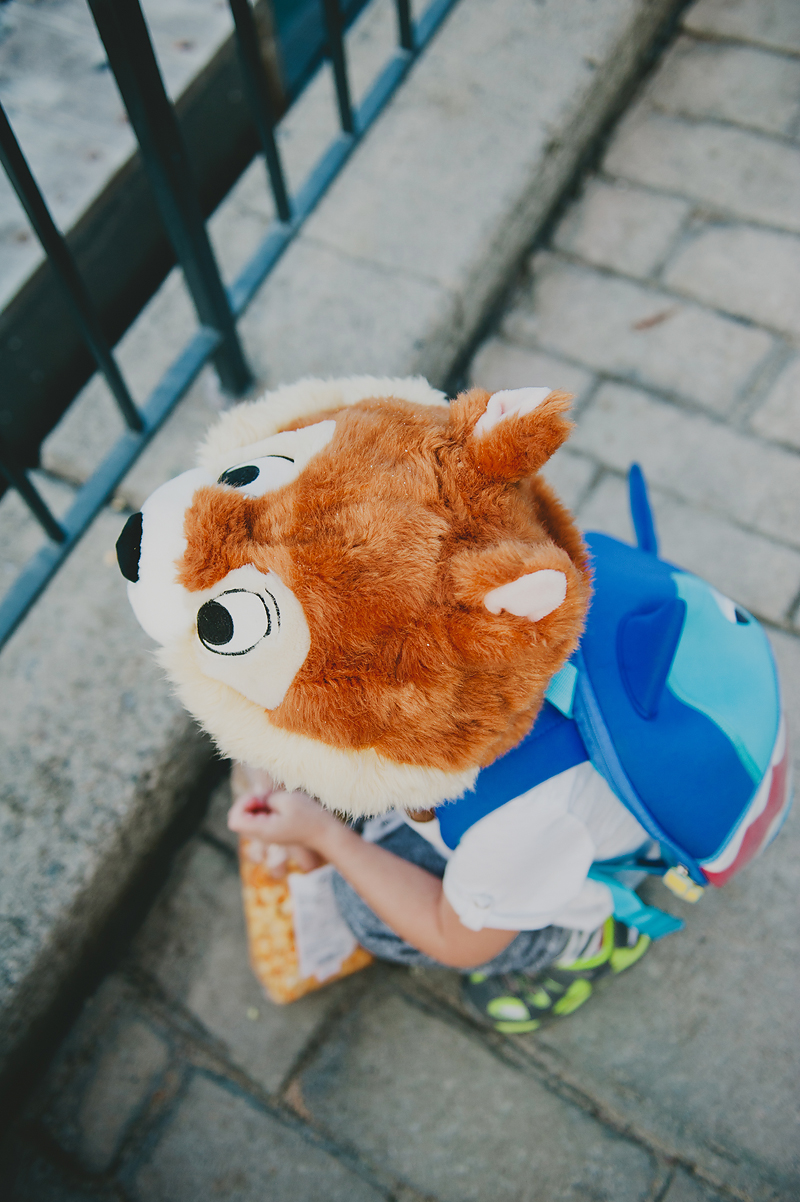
(668, 300)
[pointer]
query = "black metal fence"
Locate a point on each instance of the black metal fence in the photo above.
(129, 50)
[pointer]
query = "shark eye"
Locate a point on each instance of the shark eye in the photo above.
(233, 622)
(260, 475)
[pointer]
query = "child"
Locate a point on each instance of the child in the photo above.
(374, 597)
(512, 903)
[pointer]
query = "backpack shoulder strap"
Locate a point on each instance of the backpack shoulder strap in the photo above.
(630, 909)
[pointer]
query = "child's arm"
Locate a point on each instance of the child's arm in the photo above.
(408, 899)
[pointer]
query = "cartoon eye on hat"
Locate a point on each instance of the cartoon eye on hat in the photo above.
(235, 621)
(260, 476)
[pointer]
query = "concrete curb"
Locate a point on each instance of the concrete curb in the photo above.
(393, 274)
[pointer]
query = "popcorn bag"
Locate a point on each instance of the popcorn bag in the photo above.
(297, 938)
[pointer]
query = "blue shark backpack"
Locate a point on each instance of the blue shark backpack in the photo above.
(673, 695)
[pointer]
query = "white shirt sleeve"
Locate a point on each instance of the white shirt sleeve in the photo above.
(524, 865)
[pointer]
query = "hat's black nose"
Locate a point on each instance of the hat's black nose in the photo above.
(129, 547)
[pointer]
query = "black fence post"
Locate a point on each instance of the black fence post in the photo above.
(333, 23)
(405, 23)
(126, 39)
(18, 479)
(257, 89)
(63, 264)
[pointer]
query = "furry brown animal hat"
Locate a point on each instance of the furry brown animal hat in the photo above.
(363, 590)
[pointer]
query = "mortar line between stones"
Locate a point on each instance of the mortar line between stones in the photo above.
(661, 1188)
(665, 490)
(719, 211)
(681, 237)
(792, 611)
(64, 1163)
(676, 400)
(594, 480)
(327, 1026)
(558, 1082)
(659, 286)
(145, 1132)
(730, 39)
(744, 403)
(690, 119)
(199, 1051)
(585, 401)
(310, 1130)
(756, 392)
(784, 139)
(794, 128)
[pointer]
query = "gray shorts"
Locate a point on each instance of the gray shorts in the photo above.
(529, 952)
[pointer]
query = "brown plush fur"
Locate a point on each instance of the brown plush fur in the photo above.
(390, 539)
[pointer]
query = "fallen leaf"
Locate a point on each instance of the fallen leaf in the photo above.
(647, 323)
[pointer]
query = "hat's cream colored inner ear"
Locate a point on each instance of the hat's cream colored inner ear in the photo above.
(532, 596)
(264, 672)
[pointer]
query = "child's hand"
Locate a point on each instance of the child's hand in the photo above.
(285, 818)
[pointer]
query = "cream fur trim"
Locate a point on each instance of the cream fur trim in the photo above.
(353, 782)
(253, 421)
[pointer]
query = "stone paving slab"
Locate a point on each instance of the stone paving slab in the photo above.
(450, 123)
(219, 1145)
(104, 1076)
(416, 1095)
(740, 84)
(750, 273)
(704, 462)
(638, 333)
(779, 416)
(719, 165)
(331, 314)
(685, 1188)
(194, 946)
(771, 23)
(619, 226)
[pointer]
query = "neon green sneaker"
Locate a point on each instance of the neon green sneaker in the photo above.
(515, 1003)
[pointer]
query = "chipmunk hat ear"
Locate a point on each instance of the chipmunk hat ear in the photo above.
(526, 580)
(532, 596)
(512, 433)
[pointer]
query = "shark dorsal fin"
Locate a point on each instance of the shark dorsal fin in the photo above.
(646, 645)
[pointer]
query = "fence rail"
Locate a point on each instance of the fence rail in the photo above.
(129, 49)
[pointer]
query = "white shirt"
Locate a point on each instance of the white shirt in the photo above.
(524, 865)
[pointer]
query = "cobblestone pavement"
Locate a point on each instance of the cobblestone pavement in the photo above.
(668, 300)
